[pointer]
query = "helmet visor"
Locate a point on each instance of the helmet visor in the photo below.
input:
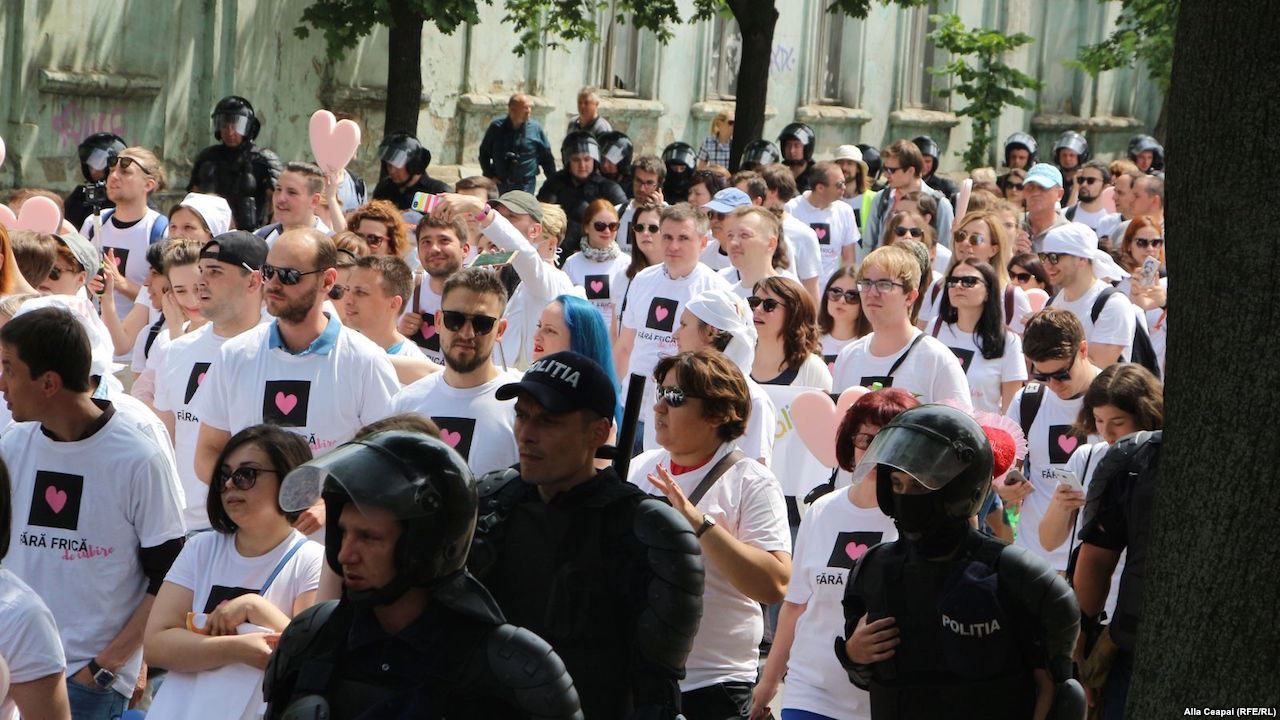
(615, 154)
(97, 159)
(583, 148)
(395, 157)
(924, 454)
(370, 476)
(238, 124)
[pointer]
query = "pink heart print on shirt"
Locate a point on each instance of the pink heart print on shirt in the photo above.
(200, 378)
(452, 438)
(286, 403)
(855, 550)
(57, 499)
(1068, 443)
(598, 285)
(821, 233)
(427, 331)
(661, 313)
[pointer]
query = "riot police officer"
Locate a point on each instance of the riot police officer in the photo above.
(95, 156)
(575, 186)
(680, 159)
(797, 142)
(1070, 152)
(236, 168)
(1147, 153)
(404, 171)
(1020, 151)
(609, 576)
(947, 622)
(616, 152)
(930, 150)
(871, 156)
(759, 153)
(414, 635)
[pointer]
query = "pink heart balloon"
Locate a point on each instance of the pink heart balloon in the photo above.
(1, 151)
(1109, 198)
(962, 200)
(333, 142)
(1037, 298)
(817, 419)
(38, 214)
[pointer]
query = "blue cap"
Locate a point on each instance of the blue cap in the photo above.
(1045, 175)
(728, 199)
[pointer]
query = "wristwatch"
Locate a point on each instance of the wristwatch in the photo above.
(102, 677)
(708, 522)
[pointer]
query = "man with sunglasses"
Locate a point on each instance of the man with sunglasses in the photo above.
(462, 400)
(1047, 408)
(304, 371)
(132, 226)
(1090, 181)
(903, 168)
(97, 507)
(1081, 272)
(832, 221)
(229, 293)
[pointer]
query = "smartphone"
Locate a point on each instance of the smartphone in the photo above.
(425, 202)
(493, 259)
(1149, 273)
(1066, 477)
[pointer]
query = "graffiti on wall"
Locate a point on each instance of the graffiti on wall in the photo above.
(72, 123)
(783, 59)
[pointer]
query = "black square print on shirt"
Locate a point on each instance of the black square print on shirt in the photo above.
(457, 433)
(596, 287)
(122, 257)
(195, 380)
(662, 314)
(850, 546)
(1061, 443)
(823, 231)
(964, 356)
(427, 337)
(284, 402)
(55, 502)
(219, 594)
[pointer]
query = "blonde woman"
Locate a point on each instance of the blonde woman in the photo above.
(715, 147)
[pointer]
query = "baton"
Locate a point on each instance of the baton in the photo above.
(630, 418)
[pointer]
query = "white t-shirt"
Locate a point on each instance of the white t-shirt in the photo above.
(29, 641)
(834, 535)
(835, 227)
(1116, 322)
(930, 371)
(1084, 461)
(596, 280)
(428, 337)
(81, 512)
(213, 570)
(1157, 321)
(626, 217)
(325, 397)
(130, 245)
(734, 278)
(1017, 322)
(472, 421)
(1049, 445)
(1102, 222)
(762, 425)
(407, 348)
(712, 256)
(806, 253)
(812, 373)
(747, 502)
(985, 377)
(275, 229)
(831, 348)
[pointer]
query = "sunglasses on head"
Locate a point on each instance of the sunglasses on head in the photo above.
(454, 320)
(601, 226)
(125, 162)
(650, 228)
(672, 395)
(849, 296)
(974, 239)
(288, 276)
(337, 292)
(967, 282)
(769, 304)
(1022, 277)
(1062, 375)
(1144, 243)
(242, 478)
(903, 232)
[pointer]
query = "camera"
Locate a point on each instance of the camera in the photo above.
(95, 196)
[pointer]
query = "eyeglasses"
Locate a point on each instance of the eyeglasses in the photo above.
(374, 240)
(288, 276)
(1087, 180)
(125, 162)
(1051, 258)
(1014, 186)
(672, 395)
(1144, 243)
(242, 478)
(337, 292)
(968, 282)
(645, 183)
(602, 226)
(849, 296)
(974, 239)
(717, 216)
(890, 170)
(55, 272)
(454, 320)
(840, 184)
(862, 441)
(1021, 277)
(880, 286)
(1062, 375)
(641, 227)
(769, 304)
(903, 232)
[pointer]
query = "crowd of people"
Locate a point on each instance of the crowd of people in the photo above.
(295, 449)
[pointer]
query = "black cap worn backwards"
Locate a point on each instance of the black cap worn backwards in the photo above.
(237, 248)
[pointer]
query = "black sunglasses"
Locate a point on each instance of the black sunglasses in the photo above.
(454, 320)
(1087, 180)
(974, 239)
(851, 297)
(1062, 375)
(1143, 243)
(902, 232)
(1014, 186)
(337, 292)
(641, 227)
(55, 272)
(601, 226)
(243, 477)
(769, 304)
(126, 162)
(1022, 276)
(1051, 257)
(672, 395)
(967, 282)
(288, 276)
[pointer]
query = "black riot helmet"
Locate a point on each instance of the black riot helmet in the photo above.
(1024, 141)
(679, 153)
(1071, 140)
(235, 112)
(419, 479)
(802, 133)
(1145, 143)
(944, 450)
(759, 153)
(928, 146)
(404, 151)
(96, 152)
(870, 156)
(616, 148)
(579, 142)
(675, 188)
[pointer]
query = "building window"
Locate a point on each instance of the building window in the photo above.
(829, 72)
(620, 58)
(919, 85)
(726, 55)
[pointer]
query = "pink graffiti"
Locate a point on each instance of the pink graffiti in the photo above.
(73, 124)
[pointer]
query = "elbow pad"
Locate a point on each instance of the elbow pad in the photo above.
(1049, 599)
(669, 622)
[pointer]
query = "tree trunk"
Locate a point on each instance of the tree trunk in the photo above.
(404, 69)
(1209, 635)
(756, 20)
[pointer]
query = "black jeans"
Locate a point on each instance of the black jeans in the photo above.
(724, 701)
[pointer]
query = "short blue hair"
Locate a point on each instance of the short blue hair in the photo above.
(588, 336)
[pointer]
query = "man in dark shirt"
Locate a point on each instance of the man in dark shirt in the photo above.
(404, 168)
(578, 185)
(236, 168)
(514, 147)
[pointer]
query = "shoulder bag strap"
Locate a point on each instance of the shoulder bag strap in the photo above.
(280, 565)
(720, 468)
(902, 358)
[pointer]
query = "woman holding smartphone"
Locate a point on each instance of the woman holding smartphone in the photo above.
(1142, 254)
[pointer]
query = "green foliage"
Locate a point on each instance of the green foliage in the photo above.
(981, 77)
(1144, 32)
(344, 22)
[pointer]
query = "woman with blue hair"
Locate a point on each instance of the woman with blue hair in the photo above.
(572, 323)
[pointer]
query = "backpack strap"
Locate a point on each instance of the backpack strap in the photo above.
(934, 292)
(106, 215)
(1032, 398)
(1100, 302)
(937, 327)
(157, 230)
(1071, 212)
